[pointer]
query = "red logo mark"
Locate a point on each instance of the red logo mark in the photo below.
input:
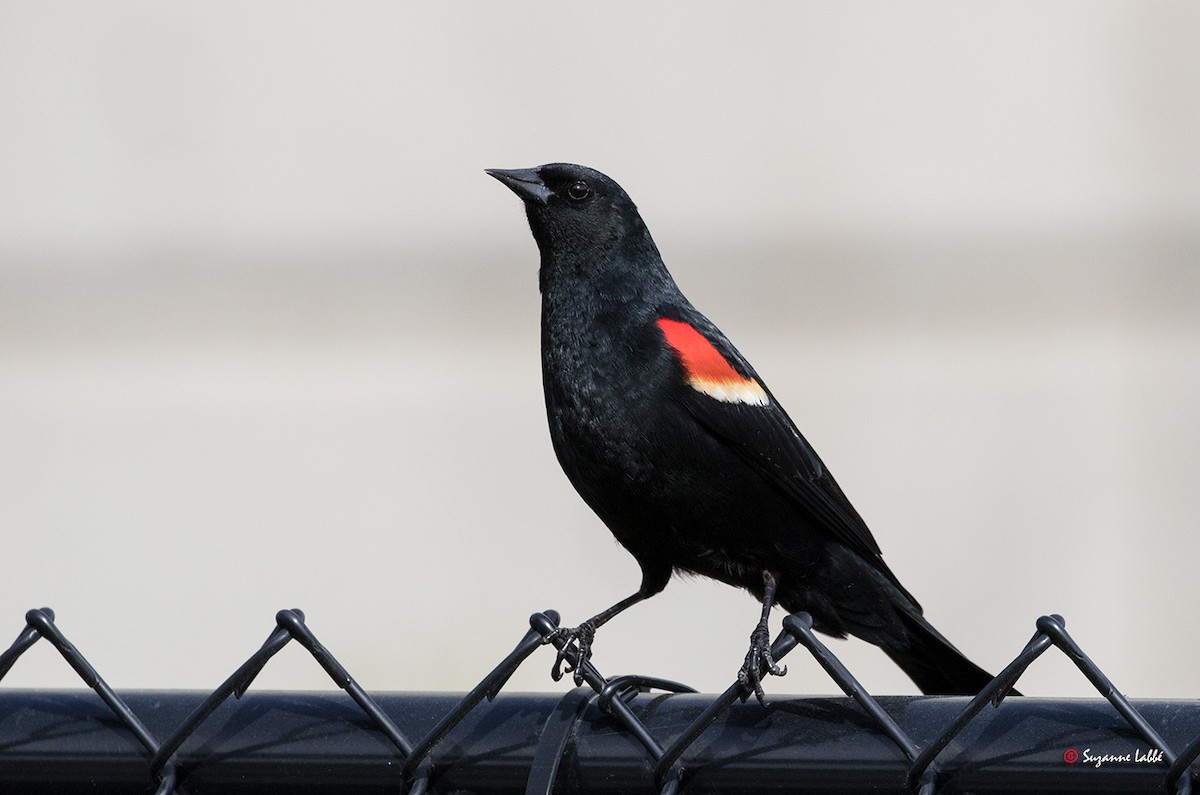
(1070, 756)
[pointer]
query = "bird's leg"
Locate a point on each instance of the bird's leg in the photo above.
(583, 635)
(759, 660)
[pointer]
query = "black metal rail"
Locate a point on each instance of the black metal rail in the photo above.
(613, 735)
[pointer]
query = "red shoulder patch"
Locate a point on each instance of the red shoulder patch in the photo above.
(706, 370)
(700, 359)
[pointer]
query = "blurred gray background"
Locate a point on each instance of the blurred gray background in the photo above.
(268, 334)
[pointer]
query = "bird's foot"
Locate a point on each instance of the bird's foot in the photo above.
(582, 636)
(759, 662)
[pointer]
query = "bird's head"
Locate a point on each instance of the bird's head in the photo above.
(573, 210)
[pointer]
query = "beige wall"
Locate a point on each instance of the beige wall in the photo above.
(268, 335)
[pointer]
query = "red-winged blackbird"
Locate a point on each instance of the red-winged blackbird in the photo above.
(671, 437)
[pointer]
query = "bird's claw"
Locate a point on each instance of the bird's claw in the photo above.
(759, 662)
(582, 636)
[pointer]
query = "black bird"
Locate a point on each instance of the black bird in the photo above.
(673, 439)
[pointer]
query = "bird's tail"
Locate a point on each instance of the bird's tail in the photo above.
(934, 664)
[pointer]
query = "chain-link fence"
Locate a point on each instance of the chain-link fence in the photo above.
(624, 734)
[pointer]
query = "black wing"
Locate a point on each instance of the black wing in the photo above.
(767, 439)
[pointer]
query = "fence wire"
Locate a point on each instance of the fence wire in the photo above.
(615, 730)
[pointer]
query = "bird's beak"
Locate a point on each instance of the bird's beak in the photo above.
(525, 182)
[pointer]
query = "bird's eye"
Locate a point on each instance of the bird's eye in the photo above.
(578, 191)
